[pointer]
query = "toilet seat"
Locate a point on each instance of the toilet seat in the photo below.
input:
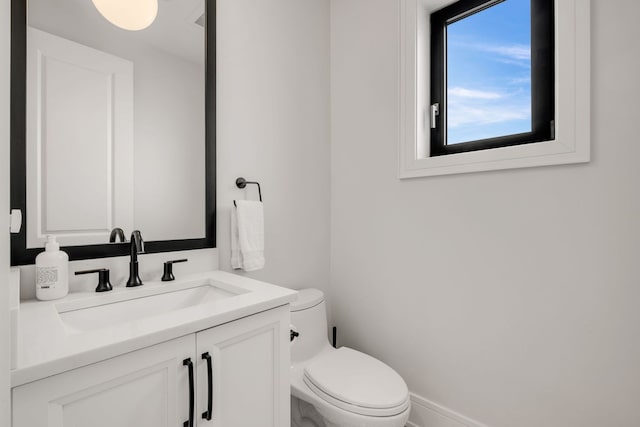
(357, 383)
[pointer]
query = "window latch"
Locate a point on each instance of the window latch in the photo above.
(435, 112)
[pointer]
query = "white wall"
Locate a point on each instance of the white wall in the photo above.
(511, 296)
(273, 127)
(169, 150)
(5, 342)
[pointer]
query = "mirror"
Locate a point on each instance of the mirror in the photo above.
(113, 128)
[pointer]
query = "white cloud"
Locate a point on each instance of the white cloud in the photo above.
(517, 51)
(460, 115)
(516, 62)
(479, 107)
(471, 93)
(470, 123)
(520, 80)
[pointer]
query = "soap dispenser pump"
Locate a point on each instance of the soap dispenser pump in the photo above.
(52, 271)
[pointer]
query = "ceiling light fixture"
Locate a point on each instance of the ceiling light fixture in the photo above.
(132, 15)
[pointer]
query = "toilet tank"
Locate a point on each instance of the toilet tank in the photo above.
(309, 319)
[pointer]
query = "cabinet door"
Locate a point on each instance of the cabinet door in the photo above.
(144, 388)
(250, 367)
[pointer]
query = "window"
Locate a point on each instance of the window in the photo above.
(569, 84)
(492, 75)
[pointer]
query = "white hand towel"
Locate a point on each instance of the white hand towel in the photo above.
(249, 235)
(236, 259)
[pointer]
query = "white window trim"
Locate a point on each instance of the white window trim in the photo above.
(572, 126)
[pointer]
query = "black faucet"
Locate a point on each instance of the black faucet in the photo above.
(137, 247)
(117, 234)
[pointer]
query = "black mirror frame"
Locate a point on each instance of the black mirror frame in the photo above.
(20, 254)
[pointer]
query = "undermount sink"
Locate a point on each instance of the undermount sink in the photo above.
(100, 314)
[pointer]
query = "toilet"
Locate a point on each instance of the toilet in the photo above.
(338, 387)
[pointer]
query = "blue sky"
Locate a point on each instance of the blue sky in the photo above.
(489, 73)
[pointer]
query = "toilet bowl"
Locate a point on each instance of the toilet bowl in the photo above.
(338, 387)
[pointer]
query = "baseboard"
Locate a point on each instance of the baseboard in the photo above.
(426, 413)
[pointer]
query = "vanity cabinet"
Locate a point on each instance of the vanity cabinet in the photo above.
(249, 360)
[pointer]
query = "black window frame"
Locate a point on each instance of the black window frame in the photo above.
(542, 76)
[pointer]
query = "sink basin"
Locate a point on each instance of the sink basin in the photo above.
(102, 314)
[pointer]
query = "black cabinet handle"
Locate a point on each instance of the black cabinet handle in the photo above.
(209, 412)
(188, 363)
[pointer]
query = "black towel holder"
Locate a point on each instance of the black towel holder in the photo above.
(242, 183)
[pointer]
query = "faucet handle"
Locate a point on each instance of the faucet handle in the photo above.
(137, 241)
(104, 284)
(168, 276)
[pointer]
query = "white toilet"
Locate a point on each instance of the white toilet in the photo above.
(338, 387)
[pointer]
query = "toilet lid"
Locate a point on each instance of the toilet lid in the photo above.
(357, 382)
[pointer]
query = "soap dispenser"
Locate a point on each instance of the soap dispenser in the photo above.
(52, 271)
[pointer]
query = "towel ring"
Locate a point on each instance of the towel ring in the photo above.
(242, 183)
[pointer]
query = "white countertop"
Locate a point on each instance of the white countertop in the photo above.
(46, 346)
